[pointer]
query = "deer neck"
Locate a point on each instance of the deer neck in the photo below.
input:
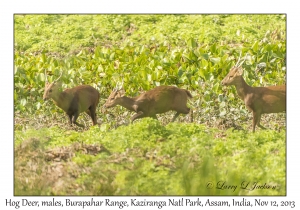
(128, 103)
(242, 88)
(63, 100)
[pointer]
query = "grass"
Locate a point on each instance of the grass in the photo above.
(178, 159)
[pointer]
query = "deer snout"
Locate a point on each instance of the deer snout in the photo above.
(223, 82)
(107, 105)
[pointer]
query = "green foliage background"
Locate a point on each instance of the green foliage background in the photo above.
(190, 51)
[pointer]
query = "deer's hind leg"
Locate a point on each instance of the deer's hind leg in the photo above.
(183, 110)
(138, 115)
(256, 120)
(92, 113)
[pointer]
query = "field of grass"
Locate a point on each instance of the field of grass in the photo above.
(149, 157)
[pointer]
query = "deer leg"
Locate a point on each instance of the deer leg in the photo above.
(75, 116)
(89, 113)
(70, 119)
(154, 116)
(262, 127)
(138, 115)
(183, 110)
(94, 118)
(175, 116)
(259, 125)
(256, 119)
(92, 112)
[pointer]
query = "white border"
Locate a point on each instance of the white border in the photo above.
(8, 8)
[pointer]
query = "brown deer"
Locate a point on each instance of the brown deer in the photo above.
(258, 100)
(158, 100)
(73, 101)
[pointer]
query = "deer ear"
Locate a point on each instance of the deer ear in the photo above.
(122, 92)
(239, 71)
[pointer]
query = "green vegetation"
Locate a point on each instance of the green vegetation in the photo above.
(147, 157)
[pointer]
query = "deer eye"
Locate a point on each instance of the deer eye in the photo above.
(50, 90)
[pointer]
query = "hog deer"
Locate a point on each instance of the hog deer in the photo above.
(158, 100)
(258, 100)
(73, 101)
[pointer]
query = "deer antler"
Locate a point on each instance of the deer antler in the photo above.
(46, 80)
(238, 59)
(121, 86)
(58, 77)
(243, 60)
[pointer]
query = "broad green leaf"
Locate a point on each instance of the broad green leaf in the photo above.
(23, 102)
(205, 56)
(215, 60)
(191, 43)
(186, 56)
(180, 72)
(255, 47)
(213, 48)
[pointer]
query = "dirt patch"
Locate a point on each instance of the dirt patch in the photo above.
(38, 170)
